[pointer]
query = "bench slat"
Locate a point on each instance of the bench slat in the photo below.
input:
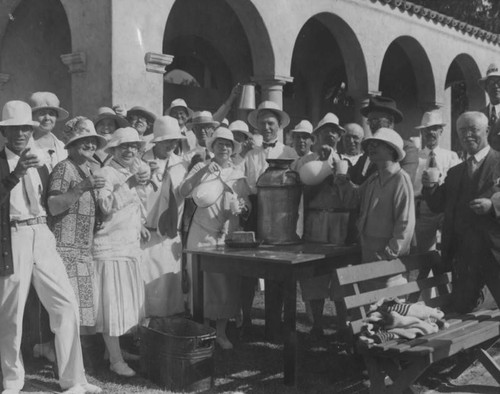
(370, 297)
(378, 269)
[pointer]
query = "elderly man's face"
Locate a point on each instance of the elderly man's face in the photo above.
(180, 114)
(138, 122)
(378, 119)
(329, 135)
(352, 139)
(472, 132)
(202, 133)
(17, 137)
(269, 125)
(431, 136)
(302, 143)
(493, 89)
(47, 118)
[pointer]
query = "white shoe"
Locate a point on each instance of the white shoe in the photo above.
(83, 388)
(11, 391)
(121, 368)
(44, 350)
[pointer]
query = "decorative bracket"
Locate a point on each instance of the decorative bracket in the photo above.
(76, 62)
(156, 62)
(4, 78)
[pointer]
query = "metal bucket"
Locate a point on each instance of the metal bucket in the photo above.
(177, 353)
(278, 195)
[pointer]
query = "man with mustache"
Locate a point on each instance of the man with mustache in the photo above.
(491, 84)
(430, 156)
(469, 198)
(383, 112)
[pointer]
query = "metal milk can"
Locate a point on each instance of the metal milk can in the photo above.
(278, 198)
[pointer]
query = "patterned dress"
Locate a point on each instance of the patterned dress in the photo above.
(73, 230)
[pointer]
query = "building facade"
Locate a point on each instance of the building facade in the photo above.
(310, 57)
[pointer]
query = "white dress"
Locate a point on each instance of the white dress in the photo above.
(162, 256)
(117, 255)
(209, 227)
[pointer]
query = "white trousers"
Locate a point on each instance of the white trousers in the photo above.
(37, 261)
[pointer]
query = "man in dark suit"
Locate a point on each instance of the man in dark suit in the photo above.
(382, 112)
(471, 230)
(491, 84)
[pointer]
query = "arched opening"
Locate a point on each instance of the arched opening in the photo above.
(209, 43)
(35, 38)
(327, 63)
(462, 93)
(406, 76)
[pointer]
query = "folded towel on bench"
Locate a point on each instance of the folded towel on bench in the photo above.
(390, 319)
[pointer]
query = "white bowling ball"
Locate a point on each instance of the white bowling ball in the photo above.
(314, 172)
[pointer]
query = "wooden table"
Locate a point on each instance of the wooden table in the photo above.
(285, 264)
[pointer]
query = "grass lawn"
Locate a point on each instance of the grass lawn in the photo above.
(256, 367)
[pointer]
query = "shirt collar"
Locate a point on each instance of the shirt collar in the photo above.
(481, 154)
(11, 155)
(497, 108)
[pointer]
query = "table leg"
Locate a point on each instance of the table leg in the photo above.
(273, 298)
(290, 345)
(197, 289)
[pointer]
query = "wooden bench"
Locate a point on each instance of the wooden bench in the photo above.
(405, 360)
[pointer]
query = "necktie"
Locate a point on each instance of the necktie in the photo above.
(31, 195)
(493, 116)
(471, 165)
(432, 159)
(207, 155)
(266, 145)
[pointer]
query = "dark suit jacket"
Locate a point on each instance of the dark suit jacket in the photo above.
(445, 199)
(7, 182)
(409, 164)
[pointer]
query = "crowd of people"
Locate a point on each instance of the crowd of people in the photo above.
(96, 222)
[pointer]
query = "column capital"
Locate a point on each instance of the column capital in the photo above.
(76, 62)
(156, 62)
(4, 78)
(271, 79)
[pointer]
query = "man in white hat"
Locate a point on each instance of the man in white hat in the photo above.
(203, 125)
(29, 256)
(162, 254)
(491, 84)
(327, 217)
(430, 156)
(241, 134)
(469, 199)
(302, 137)
(268, 119)
(179, 110)
(47, 111)
(351, 142)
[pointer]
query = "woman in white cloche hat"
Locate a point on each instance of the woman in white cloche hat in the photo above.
(219, 189)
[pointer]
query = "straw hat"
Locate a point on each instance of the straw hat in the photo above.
(124, 135)
(178, 102)
(108, 113)
(388, 136)
(242, 127)
(304, 126)
(431, 118)
(332, 119)
(382, 104)
(166, 128)
(492, 71)
(202, 117)
(226, 134)
(269, 106)
(79, 128)
(17, 113)
(47, 100)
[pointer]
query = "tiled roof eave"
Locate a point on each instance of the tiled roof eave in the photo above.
(442, 19)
